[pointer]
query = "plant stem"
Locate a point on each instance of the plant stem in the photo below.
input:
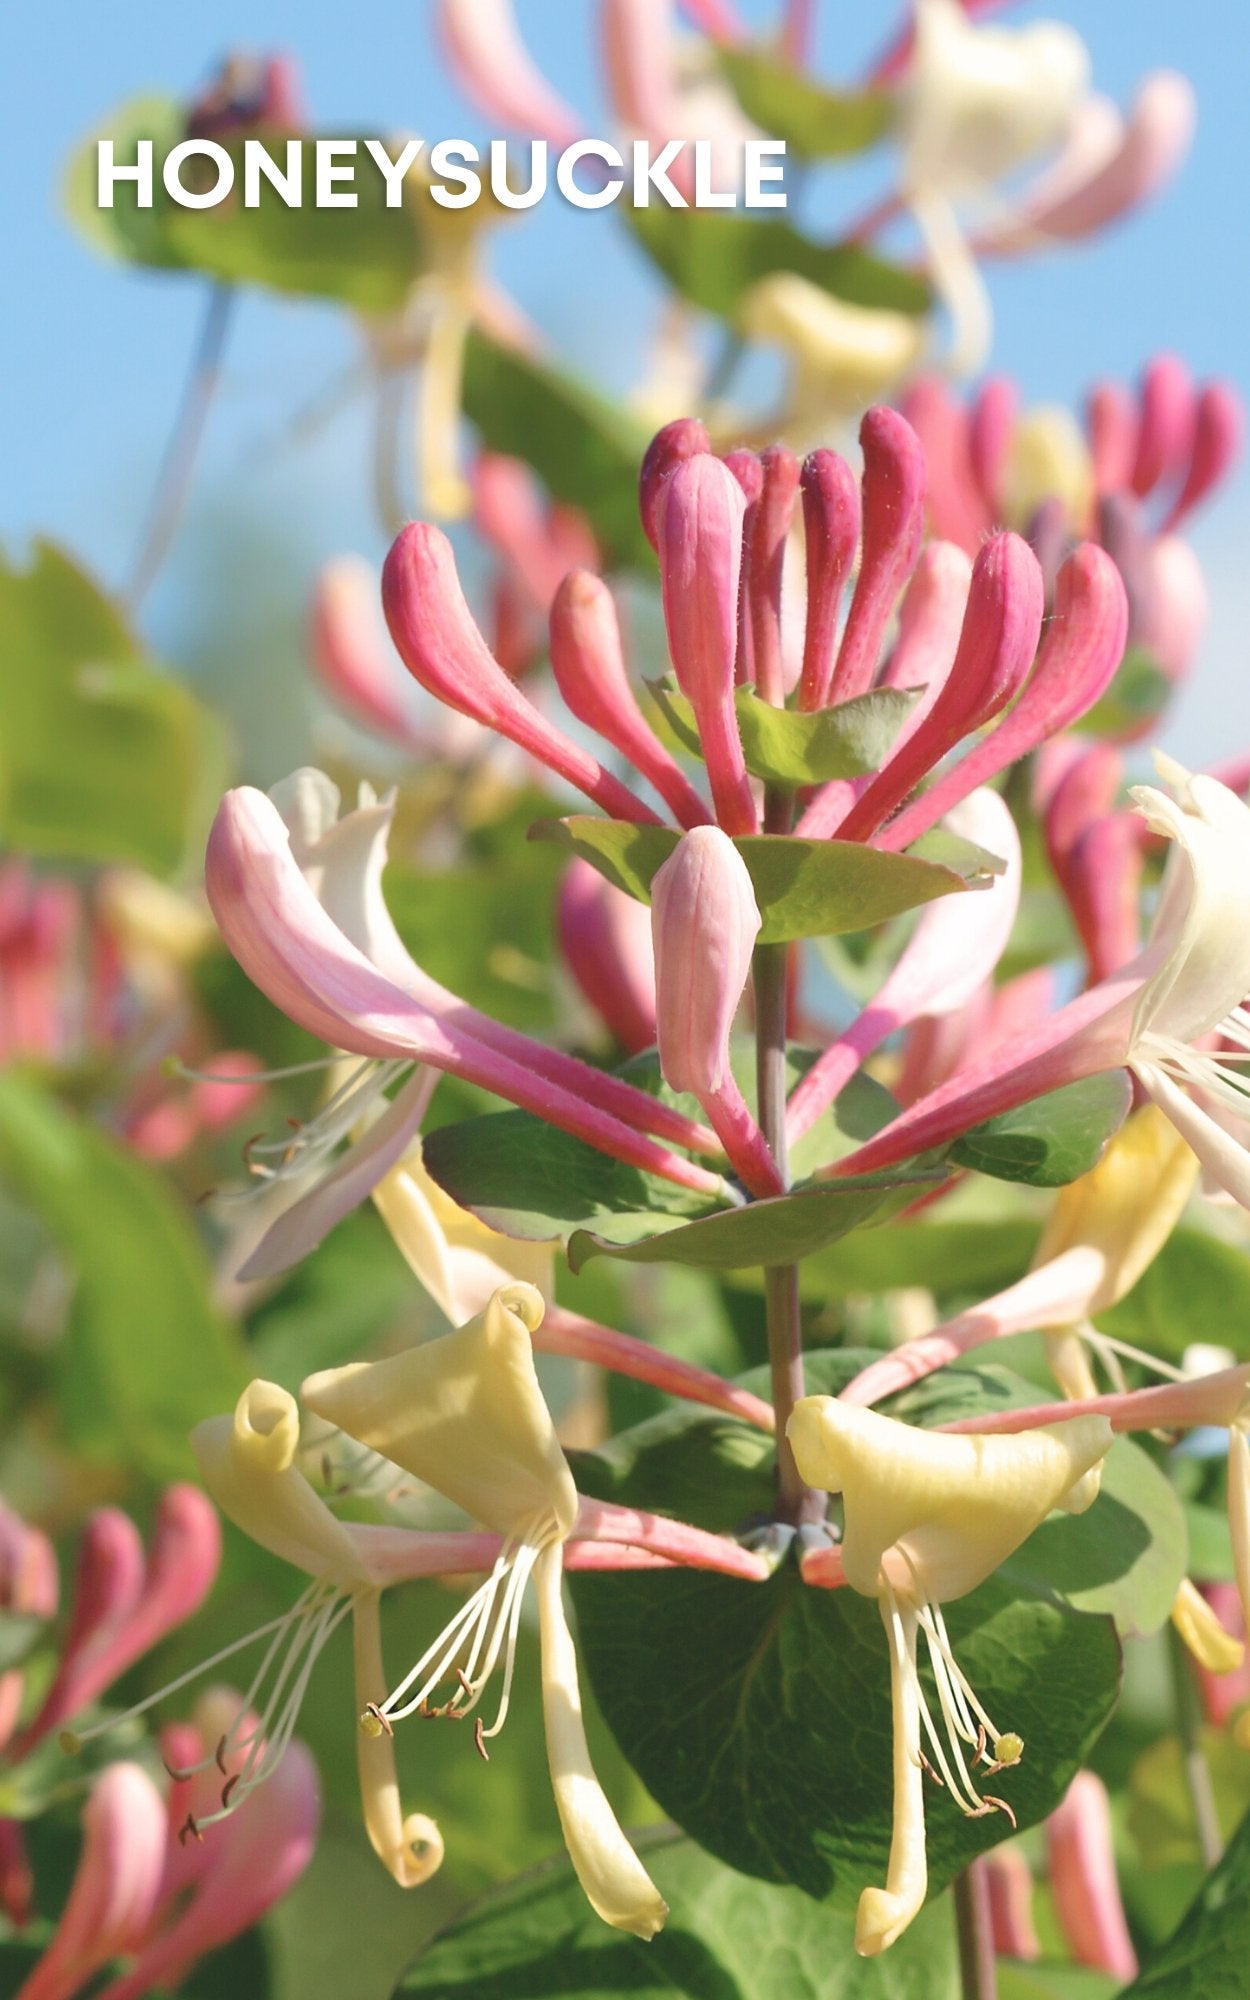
(796, 1502)
(1197, 1770)
(978, 1972)
(173, 481)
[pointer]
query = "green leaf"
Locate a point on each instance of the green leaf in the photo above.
(1126, 1555)
(713, 256)
(946, 1257)
(1160, 1816)
(1138, 691)
(1052, 1982)
(367, 257)
(726, 1939)
(770, 1741)
(1206, 1959)
(785, 747)
(1052, 1140)
(1196, 1288)
(804, 888)
(147, 1353)
(585, 450)
(816, 124)
(781, 1231)
(532, 1180)
(101, 758)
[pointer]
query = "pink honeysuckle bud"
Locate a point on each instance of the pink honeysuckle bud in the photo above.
(115, 1885)
(1171, 609)
(1168, 416)
(831, 518)
(1086, 791)
(1219, 427)
(893, 524)
(108, 1581)
(637, 45)
(354, 660)
(493, 67)
(124, 1605)
(1084, 645)
(701, 521)
(684, 438)
(704, 924)
(589, 668)
(996, 648)
(29, 1587)
(580, 1339)
(442, 648)
(929, 621)
(766, 546)
(991, 434)
(749, 473)
(1102, 885)
(1083, 1880)
(605, 941)
(1112, 426)
(957, 508)
(1009, 1882)
(539, 544)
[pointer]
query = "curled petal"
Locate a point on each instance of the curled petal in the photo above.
(409, 1847)
(493, 67)
(615, 1881)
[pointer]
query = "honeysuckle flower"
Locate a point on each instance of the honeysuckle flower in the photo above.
(465, 1414)
(1102, 1233)
(116, 1884)
(536, 544)
(953, 950)
(492, 65)
(1083, 1881)
(356, 664)
(1215, 1651)
(1223, 1682)
(704, 924)
(214, 1888)
(841, 356)
(976, 104)
(1109, 165)
(29, 1588)
(663, 87)
(605, 942)
(831, 521)
(248, 1464)
(1189, 982)
(926, 1521)
(297, 896)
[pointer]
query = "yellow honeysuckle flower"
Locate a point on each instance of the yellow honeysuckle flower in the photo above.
(464, 1413)
(927, 1518)
(247, 1463)
(844, 356)
(1212, 1647)
(1119, 1216)
(1049, 460)
(459, 1260)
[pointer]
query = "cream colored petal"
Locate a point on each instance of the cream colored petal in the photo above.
(1203, 922)
(465, 1415)
(1224, 1158)
(846, 355)
(1068, 1360)
(1127, 1206)
(246, 1462)
(343, 860)
(884, 1914)
(1212, 1647)
(411, 1847)
(615, 1881)
(936, 1514)
(456, 1258)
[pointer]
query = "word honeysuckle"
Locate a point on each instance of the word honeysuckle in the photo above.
(926, 1520)
(465, 1414)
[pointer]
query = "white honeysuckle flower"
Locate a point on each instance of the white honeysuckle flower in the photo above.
(927, 1518)
(464, 1414)
(1201, 942)
(979, 101)
(458, 1259)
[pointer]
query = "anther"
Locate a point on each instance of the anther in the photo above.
(226, 1790)
(219, 1757)
(480, 1741)
(189, 1827)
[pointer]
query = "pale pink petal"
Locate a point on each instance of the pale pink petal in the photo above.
(494, 68)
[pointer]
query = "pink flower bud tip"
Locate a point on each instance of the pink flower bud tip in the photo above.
(605, 940)
(893, 525)
(684, 438)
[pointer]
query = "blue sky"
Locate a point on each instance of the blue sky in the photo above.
(93, 355)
